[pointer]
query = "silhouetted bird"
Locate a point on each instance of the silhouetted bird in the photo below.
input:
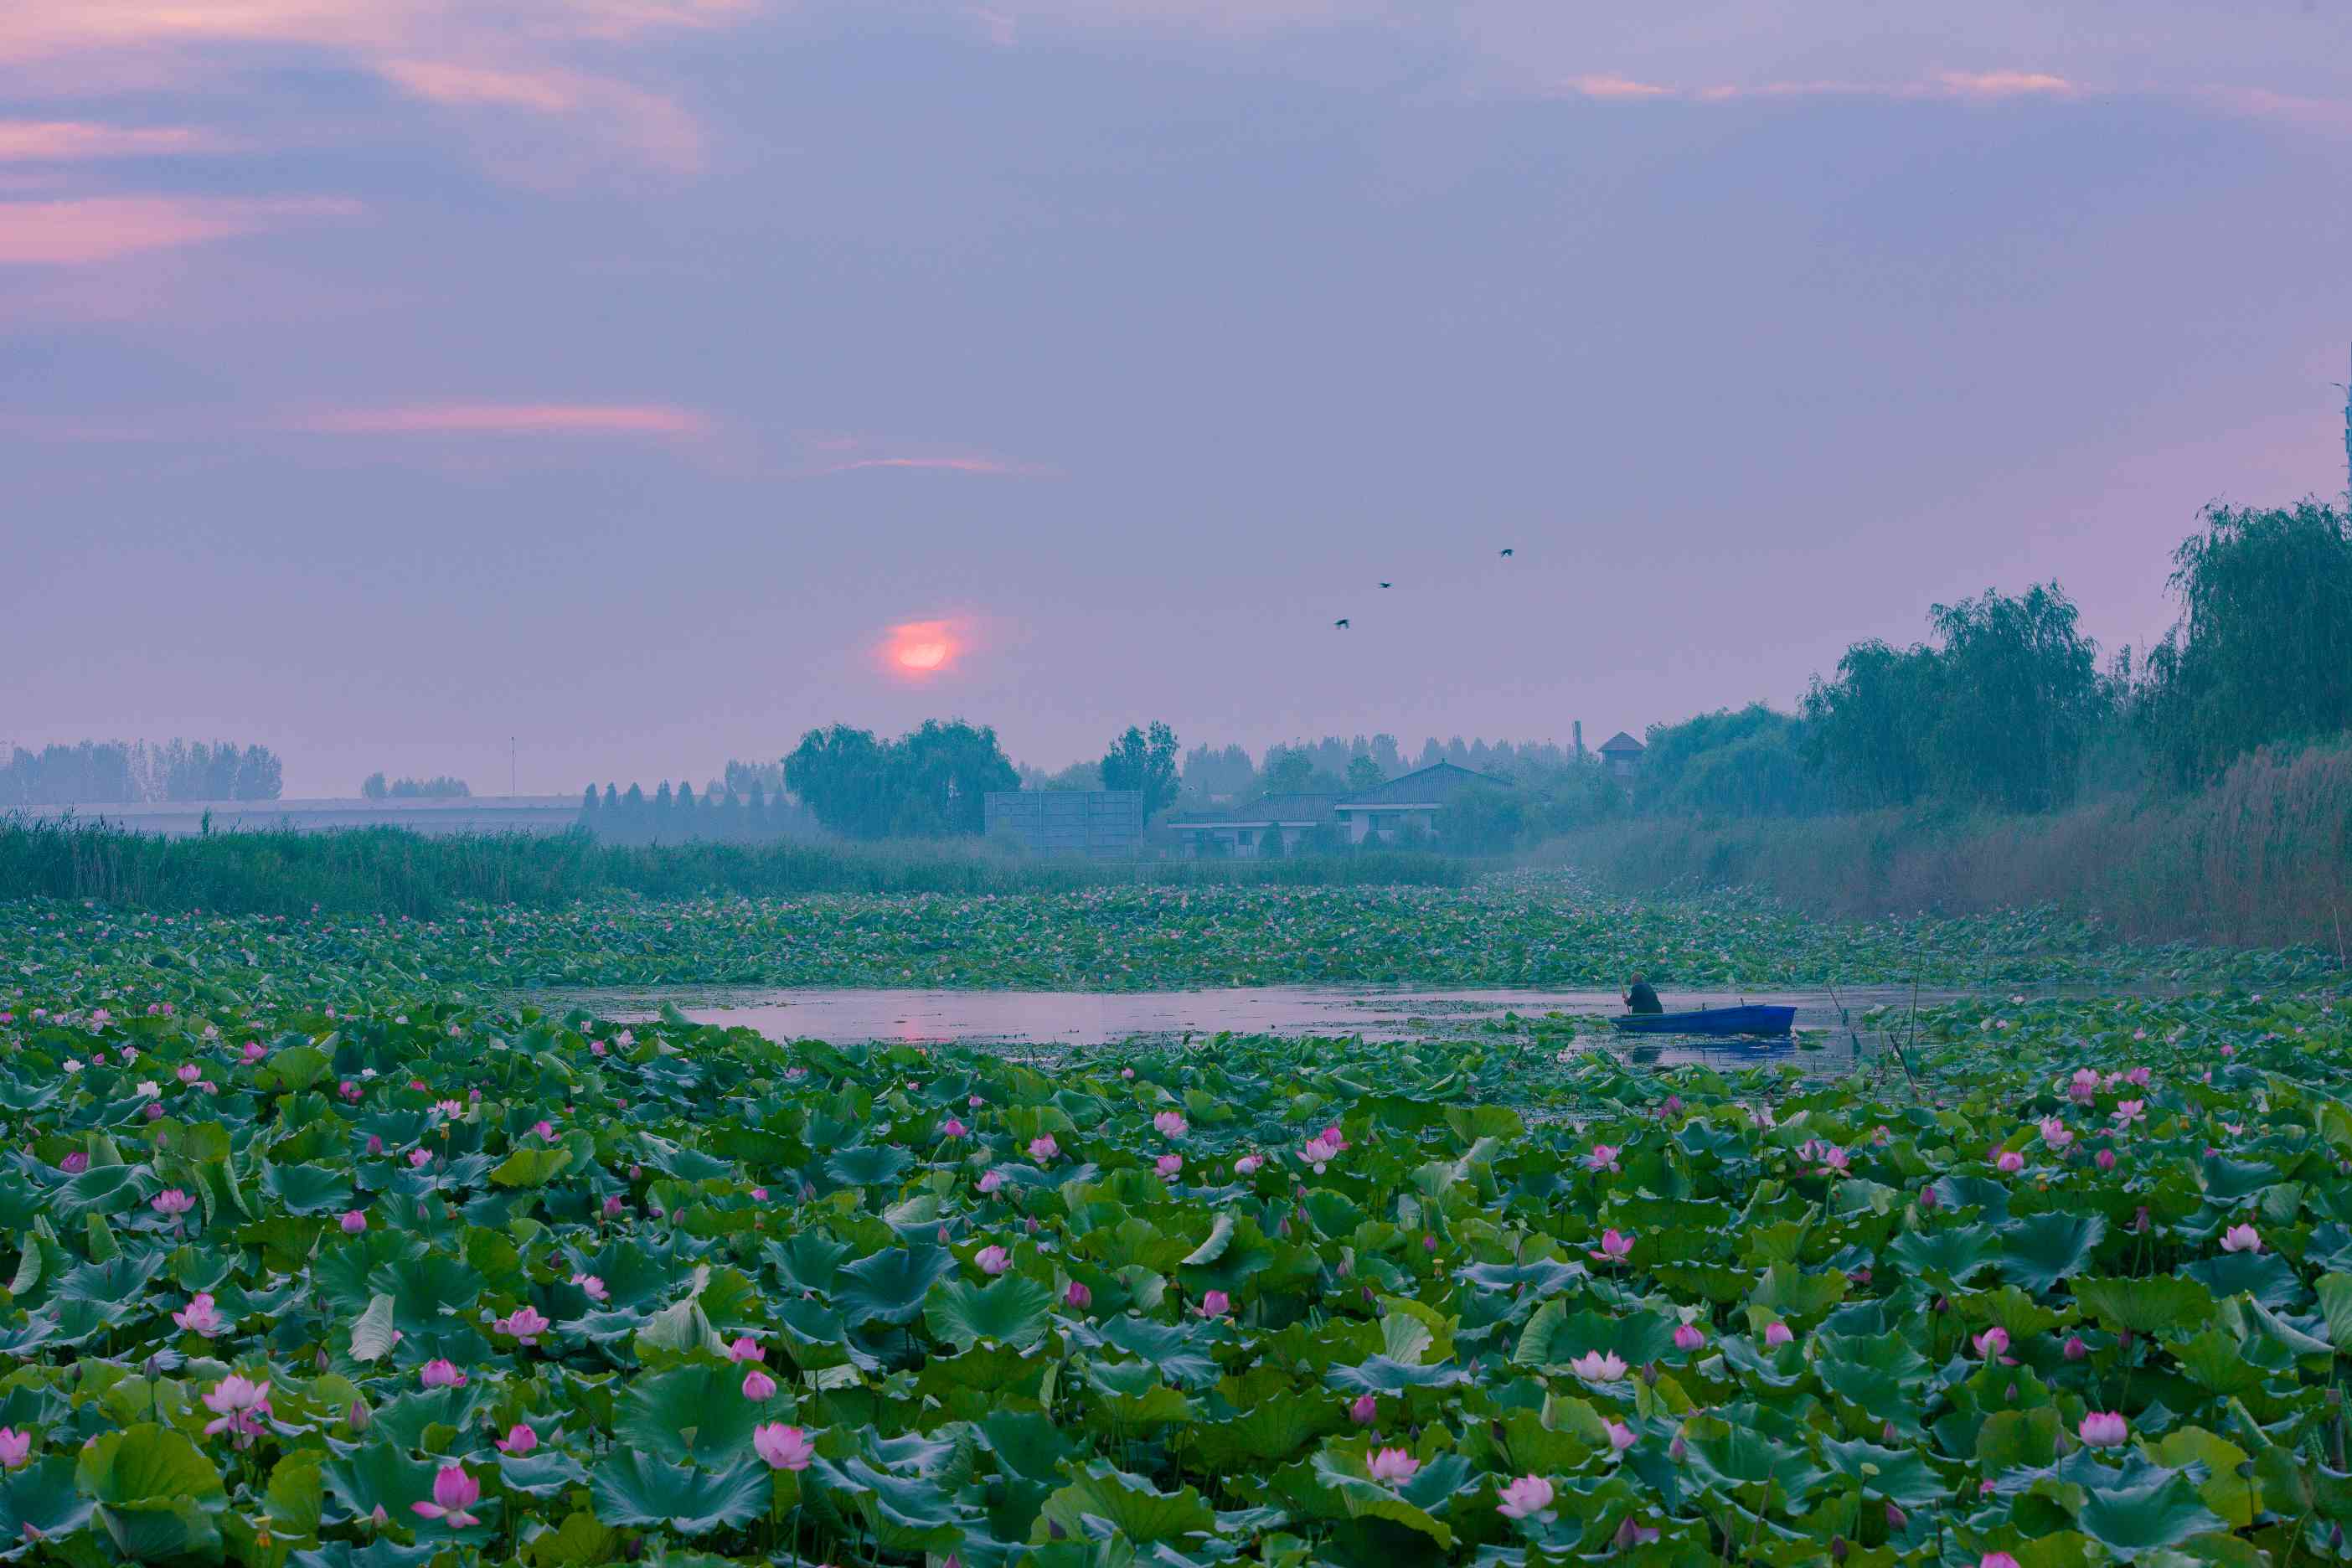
(1506, 553)
(1341, 624)
(1387, 585)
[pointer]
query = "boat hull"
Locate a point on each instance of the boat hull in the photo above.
(1752, 1020)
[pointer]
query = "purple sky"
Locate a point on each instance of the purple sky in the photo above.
(381, 378)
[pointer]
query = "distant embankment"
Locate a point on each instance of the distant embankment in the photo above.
(2264, 858)
(544, 814)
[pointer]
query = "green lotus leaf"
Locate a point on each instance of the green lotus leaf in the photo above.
(530, 1167)
(633, 1489)
(2039, 1251)
(689, 1414)
(2156, 1305)
(1129, 1504)
(889, 1285)
(1013, 1308)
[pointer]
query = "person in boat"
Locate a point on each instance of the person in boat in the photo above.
(1641, 998)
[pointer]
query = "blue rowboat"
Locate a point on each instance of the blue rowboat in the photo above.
(1755, 1020)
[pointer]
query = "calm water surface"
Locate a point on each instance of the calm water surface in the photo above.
(1086, 1018)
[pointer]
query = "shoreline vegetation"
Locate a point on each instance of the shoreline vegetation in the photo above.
(2262, 858)
(394, 871)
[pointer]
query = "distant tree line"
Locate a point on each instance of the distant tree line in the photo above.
(928, 783)
(443, 787)
(720, 814)
(127, 772)
(2008, 706)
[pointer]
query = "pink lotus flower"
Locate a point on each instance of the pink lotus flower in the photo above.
(973, 1102)
(2074, 1349)
(1248, 1164)
(613, 1207)
(374, 1144)
(199, 1316)
(2241, 1239)
(2138, 1076)
(1998, 1560)
(1170, 1123)
(784, 1447)
(171, 1203)
(75, 1164)
(1615, 1246)
(16, 1448)
(1364, 1410)
(1318, 1152)
(1604, 1157)
(1599, 1366)
(353, 1222)
(441, 1373)
(1529, 1497)
(951, 1127)
(454, 1491)
(251, 1053)
(519, 1440)
(1689, 1337)
(991, 1180)
(525, 1324)
(2083, 1087)
(1044, 1148)
(2127, 1111)
(2229, 1050)
(1168, 1166)
(1994, 1344)
(2008, 1162)
(993, 1259)
(1215, 1304)
(419, 1158)
(1778, 1334)
(759, 1194)
(1836, 1161)
(745, 1349)
(1077, 1297)
(240, 1403)
(1392, 1467)
(189, 1072)
(1620, 1437)
(546, 1130)
(2103, 1429)
(592, 1287)
(2105, 1160)
(2056, 1133)
(758, 1385)
(595, 1047)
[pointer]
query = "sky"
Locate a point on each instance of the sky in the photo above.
(386, 380)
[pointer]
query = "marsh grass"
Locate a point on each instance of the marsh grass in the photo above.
(393, 871)
(2263, 858)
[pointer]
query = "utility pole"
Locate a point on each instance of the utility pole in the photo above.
(2348, 444)
(511, 789)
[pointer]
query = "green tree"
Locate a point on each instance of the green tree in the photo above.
(1288, 770)
(940, 773)
(841, 775)
(1364, 773)
(374, 787)
(2263, 652)
(2021, 695)
(1867, 729)
(1145, 761)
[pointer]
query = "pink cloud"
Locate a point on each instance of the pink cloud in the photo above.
(649, 127)
(2002, 83)
(64, 140)
(1617, 87)
(98, 228)
(2331, 116)
(508, 419)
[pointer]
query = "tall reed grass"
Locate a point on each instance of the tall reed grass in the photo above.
(2263, 858)
(390, 870)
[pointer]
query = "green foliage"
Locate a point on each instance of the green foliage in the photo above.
(1147, 762)
(927, 783)
(1410, 1313)
(2262, 653)
(1748, 763)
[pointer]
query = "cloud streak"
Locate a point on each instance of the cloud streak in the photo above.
(74, 140)
(507, 419)
(80, 230)
(997, 467)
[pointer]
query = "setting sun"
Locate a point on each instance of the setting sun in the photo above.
(917, 649)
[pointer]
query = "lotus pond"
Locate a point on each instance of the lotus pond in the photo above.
(317, 1262)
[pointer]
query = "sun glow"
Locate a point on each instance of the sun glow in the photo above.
(917, 651)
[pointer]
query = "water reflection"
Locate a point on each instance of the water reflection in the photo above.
(1827, 1023)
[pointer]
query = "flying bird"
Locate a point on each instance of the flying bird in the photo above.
(1387, 585)
(1506, 552)
(1341, 623)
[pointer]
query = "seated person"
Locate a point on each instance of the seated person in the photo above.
(1642, 999)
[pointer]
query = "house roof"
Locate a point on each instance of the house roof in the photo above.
(1290, 808)
(1434, 785)
(1621, 741)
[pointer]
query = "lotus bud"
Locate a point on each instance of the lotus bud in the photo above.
(2076, 1348)
(2011, 1395)
(1650, 1376)
(1838, 1549)
(321, 1360)
(1677, 1450)
(1428, 1243)
(636, 1173)
(1896, 1519)
(1886, 1433)
(1364, 1410)
(1077, 1297)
